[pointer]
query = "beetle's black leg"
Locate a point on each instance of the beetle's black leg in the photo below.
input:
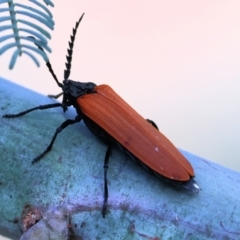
(104, 208)
(56, 96)
(153, 123)
(58, 130)
(41, 107)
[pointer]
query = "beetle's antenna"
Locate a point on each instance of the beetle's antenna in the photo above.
(49, 66)
(70, 50)
(53, 74)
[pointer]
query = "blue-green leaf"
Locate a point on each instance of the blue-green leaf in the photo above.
(35, 26)
(48, 22)
(48, 2)
(16, 54)
(16, 10)
(6, 47)
(44, 15)
(43, 7)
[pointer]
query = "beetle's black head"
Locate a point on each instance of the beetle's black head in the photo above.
(77, 89)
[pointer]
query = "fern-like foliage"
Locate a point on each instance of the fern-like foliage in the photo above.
(14, 13)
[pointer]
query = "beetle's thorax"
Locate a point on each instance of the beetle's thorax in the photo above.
(77, 89)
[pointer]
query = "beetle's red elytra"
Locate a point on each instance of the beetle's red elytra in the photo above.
(134, 133)
(114, 121)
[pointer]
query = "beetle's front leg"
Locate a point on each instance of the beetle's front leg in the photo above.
(41, 107)
(58, 130)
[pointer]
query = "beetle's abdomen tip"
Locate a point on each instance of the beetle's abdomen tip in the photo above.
(196, 188)
(192, 186)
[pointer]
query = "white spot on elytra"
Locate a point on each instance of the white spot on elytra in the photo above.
(156, 149)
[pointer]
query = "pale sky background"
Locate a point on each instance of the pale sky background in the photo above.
(176, 62)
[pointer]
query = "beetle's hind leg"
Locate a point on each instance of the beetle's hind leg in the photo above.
(153, 123)
(41, 107)
(58, 130)
(104, 208)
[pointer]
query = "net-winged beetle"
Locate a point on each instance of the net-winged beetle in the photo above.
(111, 119)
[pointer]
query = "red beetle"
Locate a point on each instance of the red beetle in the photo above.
(111, 119)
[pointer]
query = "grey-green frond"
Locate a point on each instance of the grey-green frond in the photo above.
(18, 21)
